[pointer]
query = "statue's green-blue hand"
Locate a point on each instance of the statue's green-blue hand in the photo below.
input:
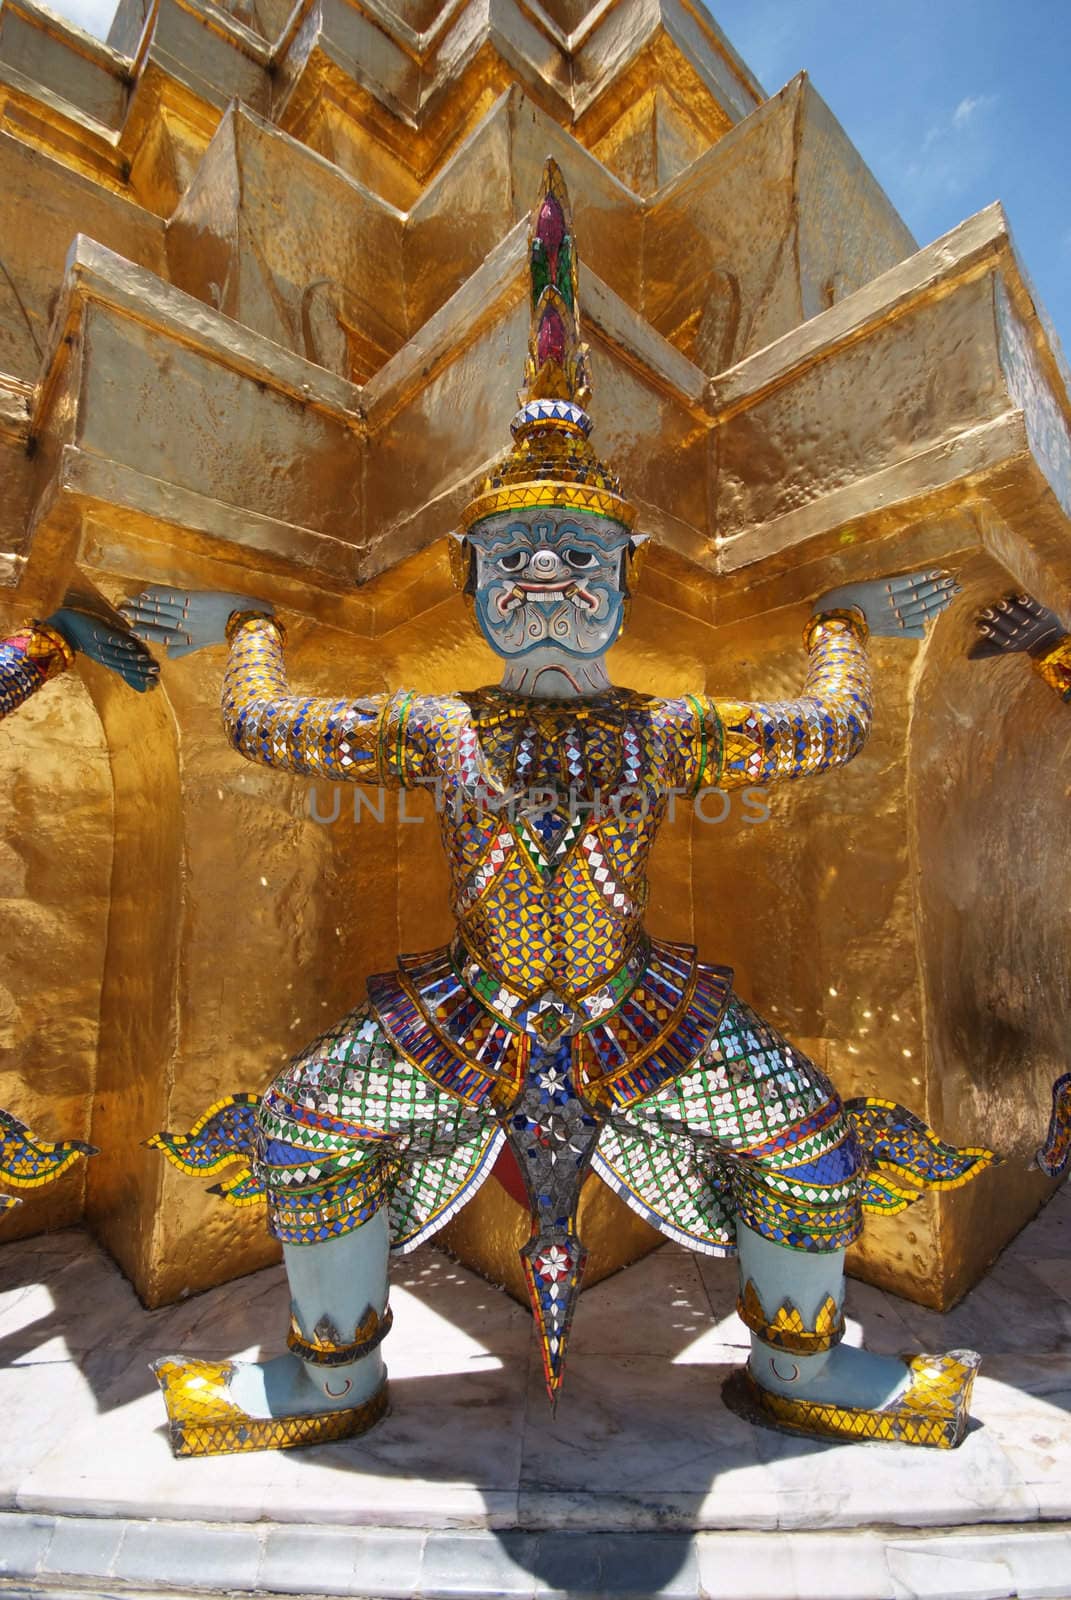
(184, 620)
(1015, 625)
(895, 606)
(114, 648)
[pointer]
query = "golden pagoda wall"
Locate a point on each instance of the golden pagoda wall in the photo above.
(278, 358)
(56, 829)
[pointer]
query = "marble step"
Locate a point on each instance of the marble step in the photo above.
(55, 1556)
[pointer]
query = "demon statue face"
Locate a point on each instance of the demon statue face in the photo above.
(550, 581)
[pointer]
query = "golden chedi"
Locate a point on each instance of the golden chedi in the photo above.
(261, 338)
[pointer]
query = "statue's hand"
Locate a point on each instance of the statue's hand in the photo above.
(1015, 624)
(183, 622)
(91, 627)
(895, 606)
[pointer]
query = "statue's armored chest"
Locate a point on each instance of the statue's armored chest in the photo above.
(513, 745)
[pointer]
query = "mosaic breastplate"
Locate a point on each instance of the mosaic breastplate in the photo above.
(548, 813)
(547, 819)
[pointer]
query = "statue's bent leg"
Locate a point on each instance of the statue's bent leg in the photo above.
(331, 1384)
(338, 1320)
(801, 1374)
(771, 1160)
(796, 1347)
(347, 1125)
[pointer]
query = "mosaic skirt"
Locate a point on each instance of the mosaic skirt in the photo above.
(350, 1126)
(753, 1131)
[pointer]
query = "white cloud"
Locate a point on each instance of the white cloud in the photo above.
(945, 131)
(969, 105)
(953, 151)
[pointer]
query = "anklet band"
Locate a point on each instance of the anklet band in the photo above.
(787, 1330)
(326, 1348)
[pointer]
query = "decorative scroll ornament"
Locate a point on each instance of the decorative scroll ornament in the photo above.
(27, 1162)
(902, 1156)
(1055, 1153)
(551, 462)
(224, 1135)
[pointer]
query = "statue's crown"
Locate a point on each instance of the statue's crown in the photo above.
(551, 462)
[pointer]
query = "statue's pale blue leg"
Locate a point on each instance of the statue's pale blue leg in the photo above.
(843, 1375)
(339, 1280)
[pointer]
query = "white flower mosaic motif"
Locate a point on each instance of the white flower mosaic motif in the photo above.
(554, 1264)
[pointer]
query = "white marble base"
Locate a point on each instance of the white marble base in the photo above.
(642, 1443)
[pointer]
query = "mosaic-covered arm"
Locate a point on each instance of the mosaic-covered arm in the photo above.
(1055, 667)
(734, 745)
(380, 739)
(29, 659)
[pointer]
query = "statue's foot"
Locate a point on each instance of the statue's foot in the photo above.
(920, 1400)
(844, 1375)
(222, 1407)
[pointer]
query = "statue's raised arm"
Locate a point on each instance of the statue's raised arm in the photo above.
(374, 739)
(741, 744)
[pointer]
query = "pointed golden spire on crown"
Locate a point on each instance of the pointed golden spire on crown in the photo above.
(551, 462)
(557, 366)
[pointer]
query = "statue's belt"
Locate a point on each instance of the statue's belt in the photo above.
(640, 1029)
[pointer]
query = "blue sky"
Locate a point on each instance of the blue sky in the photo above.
(953, 103)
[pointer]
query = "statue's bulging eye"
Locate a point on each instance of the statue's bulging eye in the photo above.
(514, 562)
(580, 560)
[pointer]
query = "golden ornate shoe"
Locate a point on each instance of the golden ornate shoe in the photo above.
(203, 1420)
(933, 1410)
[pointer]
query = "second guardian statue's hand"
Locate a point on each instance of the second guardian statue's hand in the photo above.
(1021, 625)
(1016, 625)
(85, 624)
